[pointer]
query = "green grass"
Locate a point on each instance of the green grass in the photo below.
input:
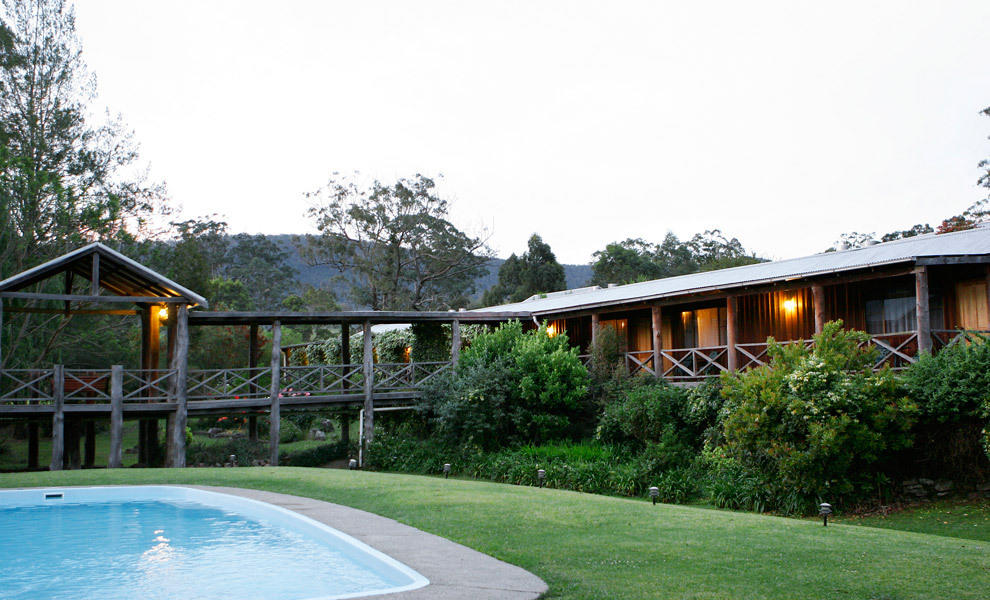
(15, 452)
(593, 547)
(966, 520)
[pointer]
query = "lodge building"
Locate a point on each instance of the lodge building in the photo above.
(910, 295)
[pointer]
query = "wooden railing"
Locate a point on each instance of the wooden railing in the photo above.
(680, 364)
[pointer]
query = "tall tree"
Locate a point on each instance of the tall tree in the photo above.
(260, 264)
(535, 272)
(64, 179)
(638, 260)
(395, 243)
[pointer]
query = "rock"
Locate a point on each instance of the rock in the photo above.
(319, 435)
(926, 482)
(943, 485)
(214, 432)
(910, 482)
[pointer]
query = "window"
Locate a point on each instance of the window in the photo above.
(895, 311)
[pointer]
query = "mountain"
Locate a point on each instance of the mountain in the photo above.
(577, 275)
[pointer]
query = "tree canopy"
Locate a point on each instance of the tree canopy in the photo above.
(636, 259)
(535, 272)
(395, 243)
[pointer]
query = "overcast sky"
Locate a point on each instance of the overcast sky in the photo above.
(784, 124)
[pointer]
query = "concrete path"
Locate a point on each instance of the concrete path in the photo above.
(455, 572)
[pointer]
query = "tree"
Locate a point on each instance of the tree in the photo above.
(535, 272)
(395, 243)
(638, 260)
(261, 265)
(64, 179)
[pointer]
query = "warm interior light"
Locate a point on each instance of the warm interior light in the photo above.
(790, 305)
(551, 330)
(163, 313)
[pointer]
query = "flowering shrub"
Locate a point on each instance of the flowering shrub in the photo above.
(510, 386)
(817, 420)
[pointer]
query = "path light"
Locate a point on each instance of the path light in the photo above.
(825, 510)
(446, 470)
(654, 494)
(352, 464)
(541, 475)
(233, 460)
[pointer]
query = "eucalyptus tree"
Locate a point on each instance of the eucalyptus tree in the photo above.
(536, 271)
(394, 244)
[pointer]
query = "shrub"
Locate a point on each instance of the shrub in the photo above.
(288, 431)
(509, 387)
(817, 421)
(953, 384)
(211, 452)
(313, 454)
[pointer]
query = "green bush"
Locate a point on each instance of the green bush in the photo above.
(953, 384)
(817, 421)
(211, 452)
(509, 387)
(288, 431)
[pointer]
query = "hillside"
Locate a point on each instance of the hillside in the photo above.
(577, 275)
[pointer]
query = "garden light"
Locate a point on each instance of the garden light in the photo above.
(446, 470)
(352, 464)
(233, 460)
(825, 510)
(541, 475)
(654, 494)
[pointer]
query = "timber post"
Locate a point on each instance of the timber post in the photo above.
(345, 384)
(369, 387)
(275, 415)
(818, 299)
(252, 365)
(924, 323)
(656, 316)
(89, 454)
(595, 318)
(455, 341)
(116, 417)
(33, 445)
(180, 372)
(731, 333)
(58, 418)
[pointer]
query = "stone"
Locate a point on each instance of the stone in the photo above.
(943, 485)
(926, 482)
(214, 432)
(319, 435)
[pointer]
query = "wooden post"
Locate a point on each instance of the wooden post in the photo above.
(115, 460)
(455, 341)
(369, 387)
(70, 458)
(921, 305)
(58, 418)
(275, 414)
(180, 364)
(94, 280)
(1, 335)
(731, 333)
(345, 426)
(818, 298)
(145, 364)
(656, 313)
(154, 450)
(253, 364)
(345, 359)
(595, 318)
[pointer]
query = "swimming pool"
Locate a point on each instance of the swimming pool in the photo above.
(173, 542)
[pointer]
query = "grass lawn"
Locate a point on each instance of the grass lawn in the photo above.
(15, 452)
(967, 520)
(594, 547)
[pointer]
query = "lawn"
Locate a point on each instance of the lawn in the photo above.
(967, 520)
(593, 547)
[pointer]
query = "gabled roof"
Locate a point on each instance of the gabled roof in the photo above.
(118, 274)
(964, 245)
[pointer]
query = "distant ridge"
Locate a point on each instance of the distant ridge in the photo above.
(576, 275)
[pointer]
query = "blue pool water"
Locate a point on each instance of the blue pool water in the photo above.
(160, 542)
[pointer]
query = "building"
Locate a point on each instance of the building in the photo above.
(910, 295)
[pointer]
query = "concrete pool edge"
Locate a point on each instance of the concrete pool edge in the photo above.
(455, 572)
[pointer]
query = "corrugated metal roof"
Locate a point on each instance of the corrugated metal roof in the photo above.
(960, 243)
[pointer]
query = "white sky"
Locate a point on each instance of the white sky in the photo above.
(784, 124)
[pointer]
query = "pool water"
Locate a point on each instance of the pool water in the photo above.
(163, 542)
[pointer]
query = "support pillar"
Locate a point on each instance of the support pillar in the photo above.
(731, 333)
(656, 314)
(345, 353)
(275, 414)
(369, 387)
(58, 418)
(253, 364)
(818, 299)
(595, 318)
(455, 341)
(921, 306)
(115, 461)
(73, 427)
(33, 445)
(177, 433)
(345, 426)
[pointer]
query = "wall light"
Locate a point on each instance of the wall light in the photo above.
(163, 313)
(790, 305)
(551, 330)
